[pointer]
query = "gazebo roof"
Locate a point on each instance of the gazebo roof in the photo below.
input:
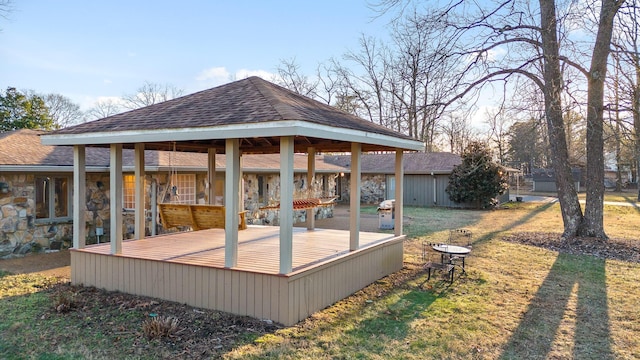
(254, 110)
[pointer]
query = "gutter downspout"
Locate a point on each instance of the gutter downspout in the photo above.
(435, 192)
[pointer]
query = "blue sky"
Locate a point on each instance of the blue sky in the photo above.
(87, 50)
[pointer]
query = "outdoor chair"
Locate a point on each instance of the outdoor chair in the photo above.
(460, 237)
(433, 261)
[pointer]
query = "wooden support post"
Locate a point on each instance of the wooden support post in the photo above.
(211, 176)
(115, 193)
(79, 198)
(232, 173)
(286, 204)
(311, 175)
(354, 200)
(140, 219)
(399, 192)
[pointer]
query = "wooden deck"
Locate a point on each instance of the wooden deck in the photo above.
(189, 268)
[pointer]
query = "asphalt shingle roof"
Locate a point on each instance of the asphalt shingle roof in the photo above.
(414, 163)
(248, 101)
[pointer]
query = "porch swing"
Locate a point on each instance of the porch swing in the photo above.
(175, 214)
(305, 201)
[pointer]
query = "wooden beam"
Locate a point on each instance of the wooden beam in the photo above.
(139, 231)
(311, 175)
(286, 204)
(354, 199)
(211, 175)
(232, 173)
(79, 190)
(397, 226)
(115, 193)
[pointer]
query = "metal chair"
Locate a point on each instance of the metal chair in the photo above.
(434, 261)
(460, 237)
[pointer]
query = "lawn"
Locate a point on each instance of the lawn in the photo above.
(516, 301)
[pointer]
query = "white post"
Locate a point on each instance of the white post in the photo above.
(115, 194)
(286, 204)
(231, 189)
(354, 200)
(399, 192)
(154, 207)
(211, 176)
(79, 196)
(140, 219)
(311, 175)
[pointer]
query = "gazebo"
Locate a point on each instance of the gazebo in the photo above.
(279, 273)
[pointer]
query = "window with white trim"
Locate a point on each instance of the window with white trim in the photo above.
(53, 197)
(129, 192)
(183, 189)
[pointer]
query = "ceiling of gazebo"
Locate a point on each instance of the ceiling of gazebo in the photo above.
(252, 110)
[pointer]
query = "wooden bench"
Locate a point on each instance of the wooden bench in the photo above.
(198, 217)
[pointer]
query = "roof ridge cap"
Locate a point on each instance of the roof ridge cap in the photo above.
(265, 91)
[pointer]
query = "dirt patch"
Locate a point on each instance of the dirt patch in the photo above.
(617, 249)
(55, 264)
(200, 333)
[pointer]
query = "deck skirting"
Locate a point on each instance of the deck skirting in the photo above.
(286, 298)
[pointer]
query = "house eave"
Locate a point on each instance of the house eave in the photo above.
(234, 131)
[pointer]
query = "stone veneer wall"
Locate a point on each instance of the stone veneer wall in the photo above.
(372, 191)
(257, 215)
(21, 233)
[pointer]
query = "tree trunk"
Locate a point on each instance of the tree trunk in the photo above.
(593, 216)
(567, 195)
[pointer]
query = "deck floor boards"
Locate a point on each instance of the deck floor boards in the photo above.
(258, 247)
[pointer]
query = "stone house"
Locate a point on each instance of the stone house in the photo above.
(36, 190)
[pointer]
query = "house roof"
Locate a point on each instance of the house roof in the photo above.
(414, 163)
(22, 148)
(254, 110)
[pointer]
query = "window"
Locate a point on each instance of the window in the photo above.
(262, 189)
(185, 189)
(129, 192)
(53, 197)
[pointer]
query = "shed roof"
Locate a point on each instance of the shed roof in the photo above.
(254, 110)
(414, 163)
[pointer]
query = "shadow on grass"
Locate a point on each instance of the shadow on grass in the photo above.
(394, 322)
(632, 202)
(535, 335)
(523, 220)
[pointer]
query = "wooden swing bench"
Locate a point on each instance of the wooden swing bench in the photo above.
(305, 204)
(198, 217)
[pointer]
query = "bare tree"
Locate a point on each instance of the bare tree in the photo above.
(103, 109)
(504, 42)
(5, 9)
(290, 77)
(527, 145)
(458, 132)
(627, 82)
(62, 110)
(150, 93)
(499, 124)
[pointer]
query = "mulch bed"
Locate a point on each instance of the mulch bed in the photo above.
(614, 249)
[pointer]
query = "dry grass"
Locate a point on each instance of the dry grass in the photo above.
(160, 327)
(515, 302)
